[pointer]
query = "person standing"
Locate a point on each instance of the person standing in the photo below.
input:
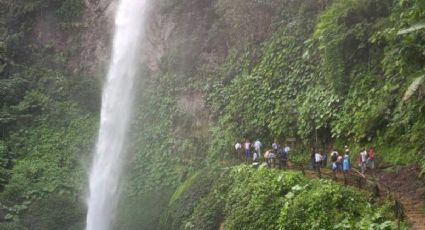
(346, 163)
(257, 147)
(334, 166)
(346, 150)
(278, 154)
(334, 156)
(272, 157)
(247, 147)
(313, 159)
(266, 157)
(363, 160)
(318, 160)
(283, 159)
(255, 156)
(371, 158)
(238, 148)
(324, 159)
(286, 150)
(275, 146)
(339, 163)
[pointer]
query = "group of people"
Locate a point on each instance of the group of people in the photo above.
(252, 151)
(341, 163)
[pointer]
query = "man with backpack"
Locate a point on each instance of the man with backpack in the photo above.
(324, 159)
(283, 159)
(334, 156)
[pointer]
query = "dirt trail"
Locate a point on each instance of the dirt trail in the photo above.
(402, 185)
(410, 191)
(414, 212)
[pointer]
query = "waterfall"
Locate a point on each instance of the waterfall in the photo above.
(118, 93)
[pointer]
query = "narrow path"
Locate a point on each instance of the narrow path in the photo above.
(413, 209)
(414, 212)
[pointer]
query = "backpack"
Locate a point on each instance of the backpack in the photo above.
(334, 157)
(283, 155)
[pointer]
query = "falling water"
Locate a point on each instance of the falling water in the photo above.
(116, 108)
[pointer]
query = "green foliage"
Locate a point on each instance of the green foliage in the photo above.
(70, 13)
(154, 159)
(185, 199)
(132, 216)
(255, 198)
(267, 90)
(183, 188)
(247, 21)
(351, 73)
(341, 71)
(49, 213)
(48, 119)
(12, 226)
(322, 204)
(268, 199)
(48, 161)
(209, 211)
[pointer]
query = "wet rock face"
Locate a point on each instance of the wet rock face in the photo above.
(88, 43)
(97, 36)
(158, 32)
(166, 32)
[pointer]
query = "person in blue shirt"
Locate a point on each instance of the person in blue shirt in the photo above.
(346, 163)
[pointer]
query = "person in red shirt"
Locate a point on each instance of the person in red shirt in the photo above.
(371, 157)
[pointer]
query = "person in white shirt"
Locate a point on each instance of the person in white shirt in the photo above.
(238, 146)
(255, 156)
(257, 147)
(275, 146)
(317, 160)
(363, 160)
(238, 149)
(286, 149)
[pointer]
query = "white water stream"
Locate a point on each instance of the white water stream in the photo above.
(117, 100)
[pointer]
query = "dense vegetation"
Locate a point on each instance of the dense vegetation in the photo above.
(312, 70)
(48, 117)
(324, 72)
(346, 75)
(270, 199)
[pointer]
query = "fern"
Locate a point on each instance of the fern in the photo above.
(414, 86)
